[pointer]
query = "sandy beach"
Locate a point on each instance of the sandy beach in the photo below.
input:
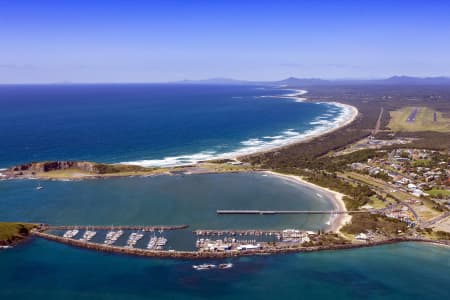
(349, 115)
(339, 220)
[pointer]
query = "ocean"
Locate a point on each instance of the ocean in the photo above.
(152, 125)
(41, 269)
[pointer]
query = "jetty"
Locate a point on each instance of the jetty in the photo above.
(286, 212)
(116, 227)
(254, 232)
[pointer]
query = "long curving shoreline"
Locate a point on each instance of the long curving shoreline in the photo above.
(348, 115)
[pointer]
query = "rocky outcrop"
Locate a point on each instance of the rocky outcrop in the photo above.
(82, 168)
(47, 166)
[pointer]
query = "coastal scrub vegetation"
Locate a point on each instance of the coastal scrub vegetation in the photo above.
(375, 223)
(322, 171)
(115, 168)
(326, 239)
(10, 232)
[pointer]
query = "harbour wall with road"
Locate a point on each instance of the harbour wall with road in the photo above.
(217, 255)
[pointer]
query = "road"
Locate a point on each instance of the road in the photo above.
(387, 188)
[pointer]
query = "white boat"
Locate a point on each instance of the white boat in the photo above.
(152, 243)
(204, 267)
(133, 239)
(39, 187)
(112, 236)
(88, 235)
(226, 266)
(70, 233)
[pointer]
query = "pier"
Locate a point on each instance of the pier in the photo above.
(115, 227)
(286, 212)
(254, 232)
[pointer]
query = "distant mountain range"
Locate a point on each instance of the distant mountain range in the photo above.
(293, 81)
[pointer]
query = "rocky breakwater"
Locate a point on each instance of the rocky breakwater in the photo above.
(267, 250)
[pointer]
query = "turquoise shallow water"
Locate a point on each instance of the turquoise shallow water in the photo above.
(46, 270)
(164, 200)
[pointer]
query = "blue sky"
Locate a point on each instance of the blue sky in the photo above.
(156, 41)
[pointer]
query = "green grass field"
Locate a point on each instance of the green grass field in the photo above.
(439, 192)
(424, 120)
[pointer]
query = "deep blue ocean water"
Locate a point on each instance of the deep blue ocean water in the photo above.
(46, 270)
(161, 124)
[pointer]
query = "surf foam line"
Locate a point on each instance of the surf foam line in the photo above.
(322, 124)
(293, 94)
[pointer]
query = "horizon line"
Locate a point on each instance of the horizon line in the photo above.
(249, 81)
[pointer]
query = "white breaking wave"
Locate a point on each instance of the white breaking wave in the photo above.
(252, 142)
(265, 143)
(294, 95)
(272, 137)
(174, 160)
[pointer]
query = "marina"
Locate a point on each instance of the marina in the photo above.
(242, 251)
(112, 236)
(207, 243)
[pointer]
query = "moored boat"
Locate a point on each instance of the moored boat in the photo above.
(226, 266)
(204, 267)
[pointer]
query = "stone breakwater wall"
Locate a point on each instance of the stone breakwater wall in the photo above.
(216, 255)
(118, 227)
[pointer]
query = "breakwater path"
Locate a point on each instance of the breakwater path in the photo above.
(246, 250)
(115, 227)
